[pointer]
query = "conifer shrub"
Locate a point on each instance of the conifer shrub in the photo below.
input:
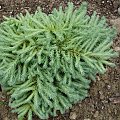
(47, 62)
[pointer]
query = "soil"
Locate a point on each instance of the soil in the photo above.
(103, 102)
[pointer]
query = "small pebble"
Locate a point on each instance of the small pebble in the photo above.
(102, 107)
(115, 112)
(98, 78)
(73, 116)
(116, 23)
(103, 2)
(119, 10)
(0, 7)
(11, 12)
(110, 118)
(102, 84)
(115, 100)
(117, 94)
(23, 10)
(96, 114)
(80, 105)
(117, 49)
(108, 87)
(104, 101)
(101, 95)
(116, 4)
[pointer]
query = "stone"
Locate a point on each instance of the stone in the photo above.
(115, 100)
(96, 114)
(119, 10)
(108, 87)
(116, 3)
(117, 49)
(116, 24)
(73, 115)
(101, 95)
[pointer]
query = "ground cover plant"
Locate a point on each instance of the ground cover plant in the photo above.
(48, 61)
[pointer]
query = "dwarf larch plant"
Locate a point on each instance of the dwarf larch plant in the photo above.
(48, 61)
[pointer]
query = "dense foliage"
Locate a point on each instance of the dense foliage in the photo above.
(48, 61)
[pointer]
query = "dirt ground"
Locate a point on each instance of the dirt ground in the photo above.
(103, 102)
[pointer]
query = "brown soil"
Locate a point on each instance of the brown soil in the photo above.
(103, 103)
